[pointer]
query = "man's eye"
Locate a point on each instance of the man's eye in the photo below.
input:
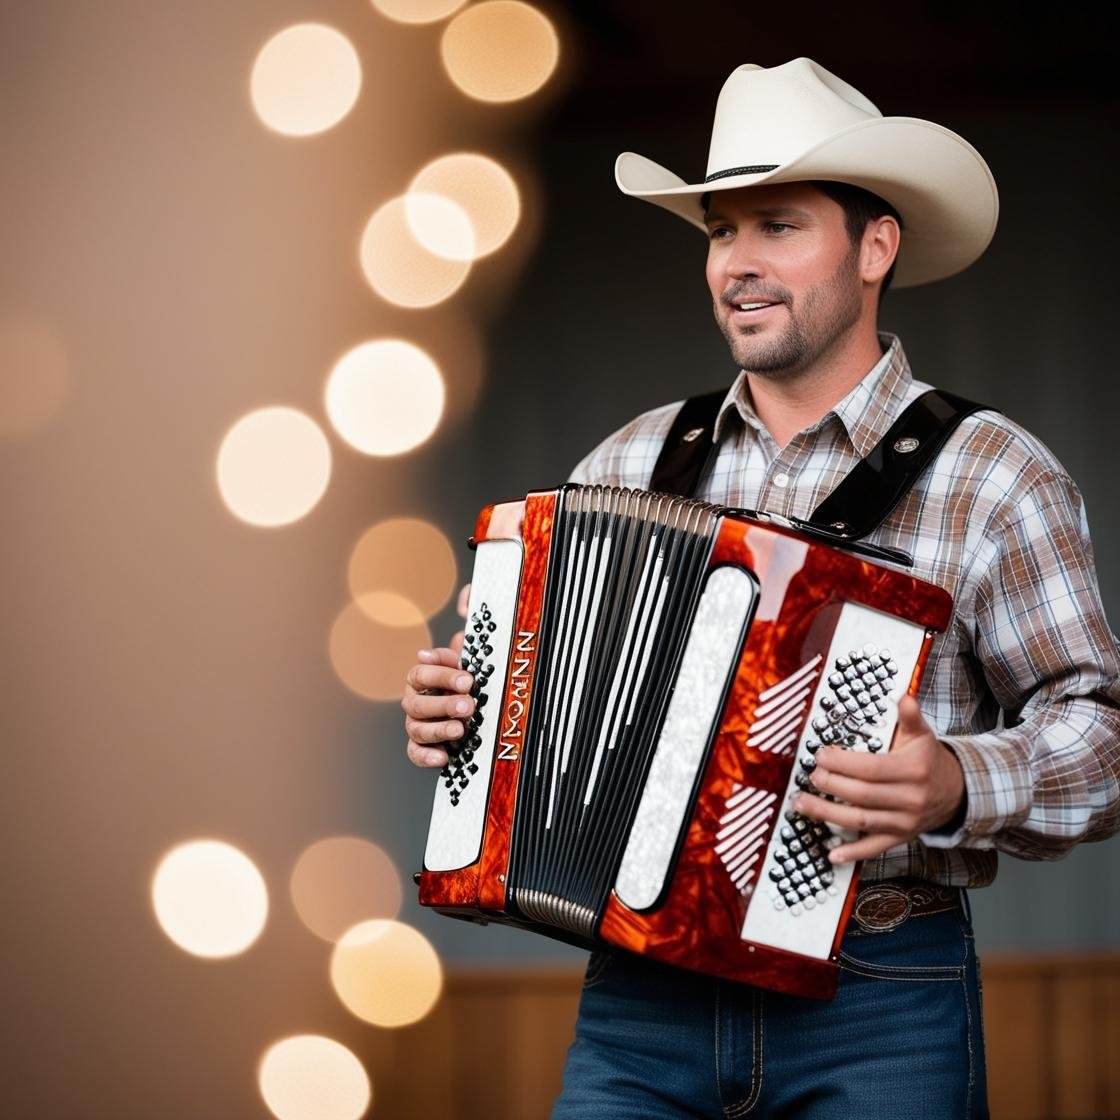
(778, 227)
(718, 233)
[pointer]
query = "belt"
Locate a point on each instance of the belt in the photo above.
(885, 904)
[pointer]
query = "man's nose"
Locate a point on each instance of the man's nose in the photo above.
(745, 260)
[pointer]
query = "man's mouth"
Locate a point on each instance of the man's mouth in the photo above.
(754, 306)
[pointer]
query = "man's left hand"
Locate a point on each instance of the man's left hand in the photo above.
(890, 798)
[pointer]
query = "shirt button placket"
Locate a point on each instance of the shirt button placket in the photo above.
(779, 494)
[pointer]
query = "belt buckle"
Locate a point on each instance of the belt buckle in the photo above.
(880, 909)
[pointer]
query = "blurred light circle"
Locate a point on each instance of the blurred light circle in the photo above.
(440, 225)
(309, 1077)
(340, 881)
(418, 11)
(34, 376)
(406, 555)
(372, 657)
(306, 78)
(482, 188)
(273, 466)
(386, 973)
(385, 397)
(390, 608)
(209, 898)
(500, 50)
(399, 268)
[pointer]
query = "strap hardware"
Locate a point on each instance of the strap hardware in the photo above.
(862, 501)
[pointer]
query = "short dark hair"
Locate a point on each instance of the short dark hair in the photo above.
(860, 207)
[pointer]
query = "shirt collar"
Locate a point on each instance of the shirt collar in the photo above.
(865, 413)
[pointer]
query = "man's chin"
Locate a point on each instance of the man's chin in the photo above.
(766, 361)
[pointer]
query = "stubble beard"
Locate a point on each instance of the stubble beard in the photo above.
(824, 314)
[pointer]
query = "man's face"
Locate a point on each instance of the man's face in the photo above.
(784, 247)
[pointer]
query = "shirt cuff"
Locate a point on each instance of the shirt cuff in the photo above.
(997, 785)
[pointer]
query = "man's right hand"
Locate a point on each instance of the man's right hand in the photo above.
(436, 703)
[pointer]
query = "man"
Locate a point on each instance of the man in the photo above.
(811, 203)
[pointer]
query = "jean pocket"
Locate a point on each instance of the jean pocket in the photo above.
(877, 971)
(926, 948)
(598, 968)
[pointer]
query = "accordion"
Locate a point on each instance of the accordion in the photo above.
(653, 676)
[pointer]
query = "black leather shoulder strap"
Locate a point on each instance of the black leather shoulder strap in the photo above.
(688, 446)
(877, 483)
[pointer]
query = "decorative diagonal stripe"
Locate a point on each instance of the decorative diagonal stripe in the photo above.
(782, 709)
(784, 686)
(744, 826)
(772, 714)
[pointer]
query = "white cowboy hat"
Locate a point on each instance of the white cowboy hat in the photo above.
(797, 121)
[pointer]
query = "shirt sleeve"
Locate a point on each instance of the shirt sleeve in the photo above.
(627, 457)
(1050, 777)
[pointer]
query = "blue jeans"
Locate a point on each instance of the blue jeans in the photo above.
(902, 1039)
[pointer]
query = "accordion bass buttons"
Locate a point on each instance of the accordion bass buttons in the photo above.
(477, 650)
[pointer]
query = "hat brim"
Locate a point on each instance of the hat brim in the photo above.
(935, 179)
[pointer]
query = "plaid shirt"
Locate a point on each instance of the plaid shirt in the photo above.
(1023, 686)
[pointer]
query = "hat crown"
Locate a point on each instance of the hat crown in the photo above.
(768, 116)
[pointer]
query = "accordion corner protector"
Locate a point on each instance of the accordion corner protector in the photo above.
(653, 679)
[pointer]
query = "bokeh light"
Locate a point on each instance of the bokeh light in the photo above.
(305, 79)
(418, 11)
(340, 881)
(385, 397)
(372, 656)
(391, 608)
(483, 189)
(398, 268)
(34, 375)
(209, 898)
(386, 973)
(273, 466)
(406, 555)
(441, 226)
(309, 1077)
(500, 50)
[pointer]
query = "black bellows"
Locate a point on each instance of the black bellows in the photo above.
(625, 574)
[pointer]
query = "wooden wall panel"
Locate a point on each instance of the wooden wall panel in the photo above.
(493, 1049)
(1015, 1017)
(1110, 1042)
(1078, 1068)
(1053, 1037)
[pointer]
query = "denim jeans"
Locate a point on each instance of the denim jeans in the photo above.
(902, 1039)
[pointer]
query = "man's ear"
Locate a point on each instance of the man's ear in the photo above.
(879, 248)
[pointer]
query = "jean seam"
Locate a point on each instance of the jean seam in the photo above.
(968, 1020)
(954, 974)
(950, 971)
(933, 971)
(758, 1032)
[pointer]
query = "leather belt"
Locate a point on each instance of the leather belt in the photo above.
(885, 904)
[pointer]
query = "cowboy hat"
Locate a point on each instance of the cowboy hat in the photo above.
(796, 122)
